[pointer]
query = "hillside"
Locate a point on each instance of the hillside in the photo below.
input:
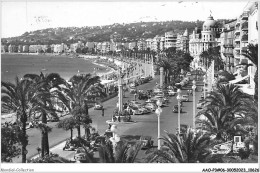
(119, 32)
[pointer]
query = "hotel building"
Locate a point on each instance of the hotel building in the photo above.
(202, 40)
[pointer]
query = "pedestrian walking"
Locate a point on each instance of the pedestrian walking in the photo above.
(103, 112)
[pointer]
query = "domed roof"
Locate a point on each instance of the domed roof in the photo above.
(210, 22)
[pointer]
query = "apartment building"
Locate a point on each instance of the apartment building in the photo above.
(132, 45)
(90, 45)
(149, 42)
(12, 48)
(141, 45)
(170, 39)
(182, 42)
(227, 45)
(156, 44)
(252, 36)
(162, 43)
(25, 48)
(4, 48)
(20, 48)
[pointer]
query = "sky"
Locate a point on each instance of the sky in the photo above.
(19, 17)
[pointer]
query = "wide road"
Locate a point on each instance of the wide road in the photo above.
(145, 124)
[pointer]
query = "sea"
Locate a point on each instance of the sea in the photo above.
(13, 65)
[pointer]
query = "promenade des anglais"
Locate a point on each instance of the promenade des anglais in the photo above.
(84, 84)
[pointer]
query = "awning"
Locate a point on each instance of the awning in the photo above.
(239, 79)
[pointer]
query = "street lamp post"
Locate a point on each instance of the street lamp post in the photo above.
(204, 89)
(158, 112)
(194, 108)
(120, 92)
(179, 110)
(161, 77)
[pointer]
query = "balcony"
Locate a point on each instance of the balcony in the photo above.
(237, 31)
(238, 22)
(237, 46)
(237, 38)
(245, 15)
(236, 54)
(228, 45)
(244, 26)
(244, 38)
(228, 51)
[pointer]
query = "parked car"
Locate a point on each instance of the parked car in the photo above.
(188, 74)
(136, 111)
(157, 90)
(178, 85)
(81, 155)
(147, 142)
(175, 109)
(144, 110)
(200, 104)
(70, 146)
(171, 92)
(98, 106)
(98, 142)
(134, 103)
(52, 119)
(150, 106)
(185, 98)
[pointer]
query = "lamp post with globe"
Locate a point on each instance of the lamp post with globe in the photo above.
(179, 110)
(115, 138)
(158, 111)
(194, 109)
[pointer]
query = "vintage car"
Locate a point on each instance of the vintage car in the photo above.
(150, 106)
(175, 109)
(147, 142)
(69, 146)
(200, 104)
(185, 98)
(81, 155)
(171, 92)
(98, 142)
(134, 103)
(98, 106)
(136, 111)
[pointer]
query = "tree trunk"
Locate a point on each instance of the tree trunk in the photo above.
(45, 141)
(87, 132)
(256, 85)
(78, 128)
(218, 136)
(71, 134)
(24, 138)
(165, 77)
(42, 144)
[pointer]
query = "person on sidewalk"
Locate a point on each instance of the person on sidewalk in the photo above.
(103, 112)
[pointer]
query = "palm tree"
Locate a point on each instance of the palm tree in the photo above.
(18, 98)
(190, 148)
(252, 54)
(67, 124)
(82, 88)
(228, 97)
(217, 121)
(224, 105)
(166, 68)
(50, 84)
(121, 153)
